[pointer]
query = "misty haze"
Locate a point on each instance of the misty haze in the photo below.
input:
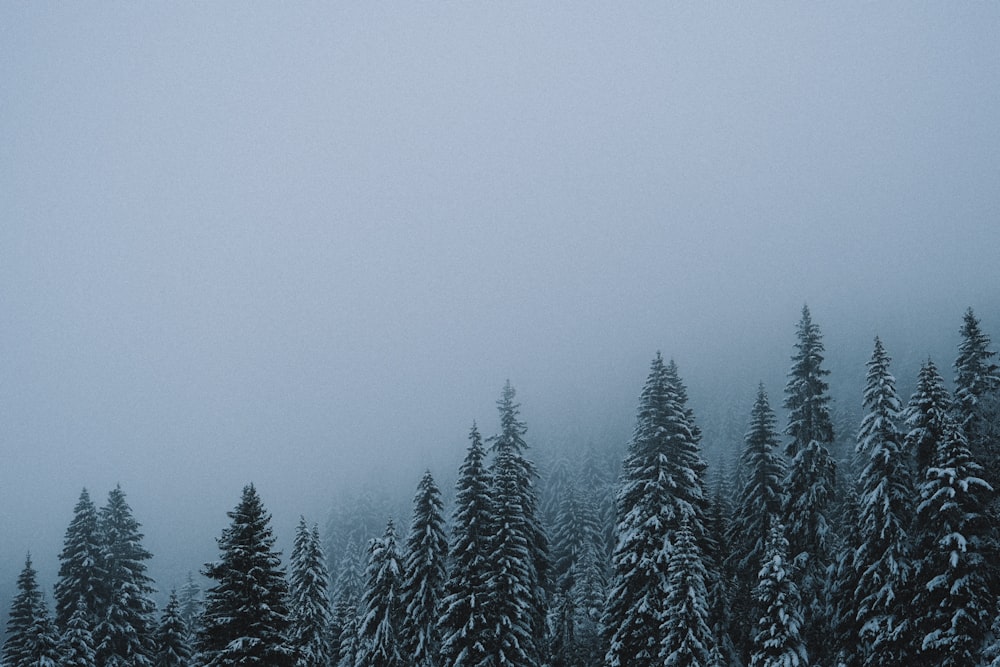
(499, 334)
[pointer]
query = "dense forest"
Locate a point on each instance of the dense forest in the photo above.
(799, 551)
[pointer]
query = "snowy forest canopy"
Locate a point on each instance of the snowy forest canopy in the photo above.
(818, 543)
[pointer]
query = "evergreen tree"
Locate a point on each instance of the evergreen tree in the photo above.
(976, 377)
(346, 618)
(758, 505)
(719, 573)
(172, 647)
(778, 639)
(77, 643)
(124, 633)
(519, 545)
(31, 637)
(81, 566)
(423, 585)
(687, 640)
(309, 599)
(191, 607)
(245, 617)
(661, 486)
(926, 417)
(953, 603)
(882, 559)
(465, 635)
(380, 618)
(811, 477)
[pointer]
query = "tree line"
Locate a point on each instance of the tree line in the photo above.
(790, 558)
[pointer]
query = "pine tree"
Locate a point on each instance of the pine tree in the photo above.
(191, 607)
(77, 643)
(245, 617)
(81, 568)
(380, 618)
(811, 477)
(661, 486)
(976, 377)
(758, 505)
(926, 417)
(882, 559)
(519, 547)
(719, 573)
(31, 637)
(953, 603)
(172, 647)
(778, 639)
(124, 634)
(309, 599)
(687, 639)
(423, 585)
(346, 615)
(465, 635)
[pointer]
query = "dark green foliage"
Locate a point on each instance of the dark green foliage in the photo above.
(423, 585)
(777, 640)
(76, 646)
(31, 636)
(687, 639)
(811, 478)
(246, 617)
(661, 487)
(124, 633)
(81, 566)
(882, 559)
(465, 635)
(172, 647)
(759, 502)
(379, 623)
(309, 599)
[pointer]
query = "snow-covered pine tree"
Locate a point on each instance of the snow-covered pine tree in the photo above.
(309, 599)
(882, 560)
(191, 607)
(661, 485)
(758, 505)
(687, 639)
(976, 377)
(519, 549)
(720, 576)
(346, 619)
(81, 566)
(246, 617)
(811, 478)
(124, 633)
(926, 418)
(31, 637)
(465, 635)
(777, 640)
(953, 603)
(172, 640)
(567, 536)
(381, 609)
(76, 646)
(425, 574)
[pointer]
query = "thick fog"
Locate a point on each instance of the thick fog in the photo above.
(305, 244)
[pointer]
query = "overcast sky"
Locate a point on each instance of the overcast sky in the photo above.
(294, 243)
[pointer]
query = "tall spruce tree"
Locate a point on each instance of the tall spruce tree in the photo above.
(661, 486)
(811, 479)
(76, 646)
(778, 640)
(882, 558)
(687, 639)
(246, 617)
(976, 378)
(953, 604)
(518, 540)
(927, 417)
(191, 607)
(124, 633)
(465, 634)
(81, 566)
(758, 505)
(31, 637)
(172, 640)
(309, 599)
(425, 574)
(381, 610)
